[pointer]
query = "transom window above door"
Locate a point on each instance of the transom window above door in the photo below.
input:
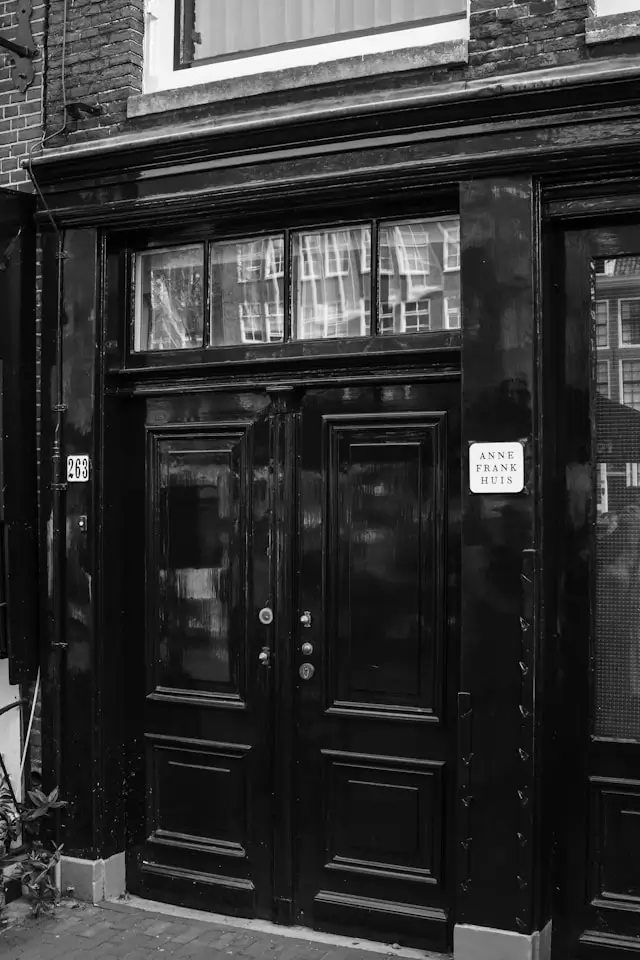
(231, 38)
(367, 279)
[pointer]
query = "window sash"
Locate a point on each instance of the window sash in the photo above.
(229, 29)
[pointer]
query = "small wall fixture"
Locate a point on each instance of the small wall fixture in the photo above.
(22, 49)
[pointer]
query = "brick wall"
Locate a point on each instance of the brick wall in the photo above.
(103, 61)
(20, 113)
(105, 47)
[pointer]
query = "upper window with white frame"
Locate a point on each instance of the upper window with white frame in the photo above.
(629, 319)
(606, 8)
(199, 41)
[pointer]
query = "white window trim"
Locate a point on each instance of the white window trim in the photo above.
(246, 312)
(451, 237)
(607, 8)
(403, 256)
(404, 311)
(245, 254)
(159, 50)
(608, 363)
(332, 246)
(308, 254)
(621, 363)
(270, 259)
(458, 310)
(606, 345)
(625, 346)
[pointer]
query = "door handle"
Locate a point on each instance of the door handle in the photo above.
(265, 656)
(305, 618)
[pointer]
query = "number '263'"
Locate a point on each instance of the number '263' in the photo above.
(78, 468)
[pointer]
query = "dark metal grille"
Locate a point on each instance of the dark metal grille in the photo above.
(617, 422)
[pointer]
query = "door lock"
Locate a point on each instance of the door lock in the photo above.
(265, 656)
(305, 619)
(306, 670)
(266, 616)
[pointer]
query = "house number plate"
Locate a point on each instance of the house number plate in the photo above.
(78, 468)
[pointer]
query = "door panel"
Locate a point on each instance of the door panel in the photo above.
(207, 714)
(379, 507)
(327, 800)
(600, 607)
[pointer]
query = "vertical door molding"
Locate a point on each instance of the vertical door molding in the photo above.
(500, 631)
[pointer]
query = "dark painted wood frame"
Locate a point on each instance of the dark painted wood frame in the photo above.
(385, 152)
(599, 932)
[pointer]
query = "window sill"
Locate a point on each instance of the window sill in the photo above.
(618, 26)
(447, 52)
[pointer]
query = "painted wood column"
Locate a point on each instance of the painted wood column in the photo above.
(497, 803)
(79, 705)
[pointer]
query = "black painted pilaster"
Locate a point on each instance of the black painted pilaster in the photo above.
(498, 856)
(71, 681)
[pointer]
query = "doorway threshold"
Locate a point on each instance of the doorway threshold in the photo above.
(276, 930)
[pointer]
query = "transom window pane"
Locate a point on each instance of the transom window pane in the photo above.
(419, 276)
(247, 291)
(169, 299)
(332, 283)
(617, 416)
(225, 28)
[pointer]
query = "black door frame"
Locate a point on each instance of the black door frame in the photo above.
(284, 439)
(585, 925)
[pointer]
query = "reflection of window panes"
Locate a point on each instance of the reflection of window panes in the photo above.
(247, 291)
(631, 383)
(169, 299)
(331, 283)
(452, 248)
(602, 324)
(629, 321)
(452, 312)
(616, 407)
(198, 573)
(419, 276)
(602, 377)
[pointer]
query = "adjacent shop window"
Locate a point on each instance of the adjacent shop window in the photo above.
(170, 299)
(617, 419)
(301, 285)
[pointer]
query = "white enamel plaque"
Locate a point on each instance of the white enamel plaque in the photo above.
(78, 468)
(496, 467)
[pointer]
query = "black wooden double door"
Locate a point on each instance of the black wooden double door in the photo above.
(301, 655)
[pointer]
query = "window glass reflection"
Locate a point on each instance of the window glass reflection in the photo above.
(617, 417)
(419, 276)
(199, 567)
(247, 291)
(169, 299)
(332, 283)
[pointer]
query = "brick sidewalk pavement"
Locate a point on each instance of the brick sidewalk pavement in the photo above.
(118, 931)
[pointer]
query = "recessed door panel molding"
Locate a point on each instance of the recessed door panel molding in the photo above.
(205, 817)
(377, 600)
(385, 561)
(197, 570)
(615, 840)
(200, 796)
(384, 816)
